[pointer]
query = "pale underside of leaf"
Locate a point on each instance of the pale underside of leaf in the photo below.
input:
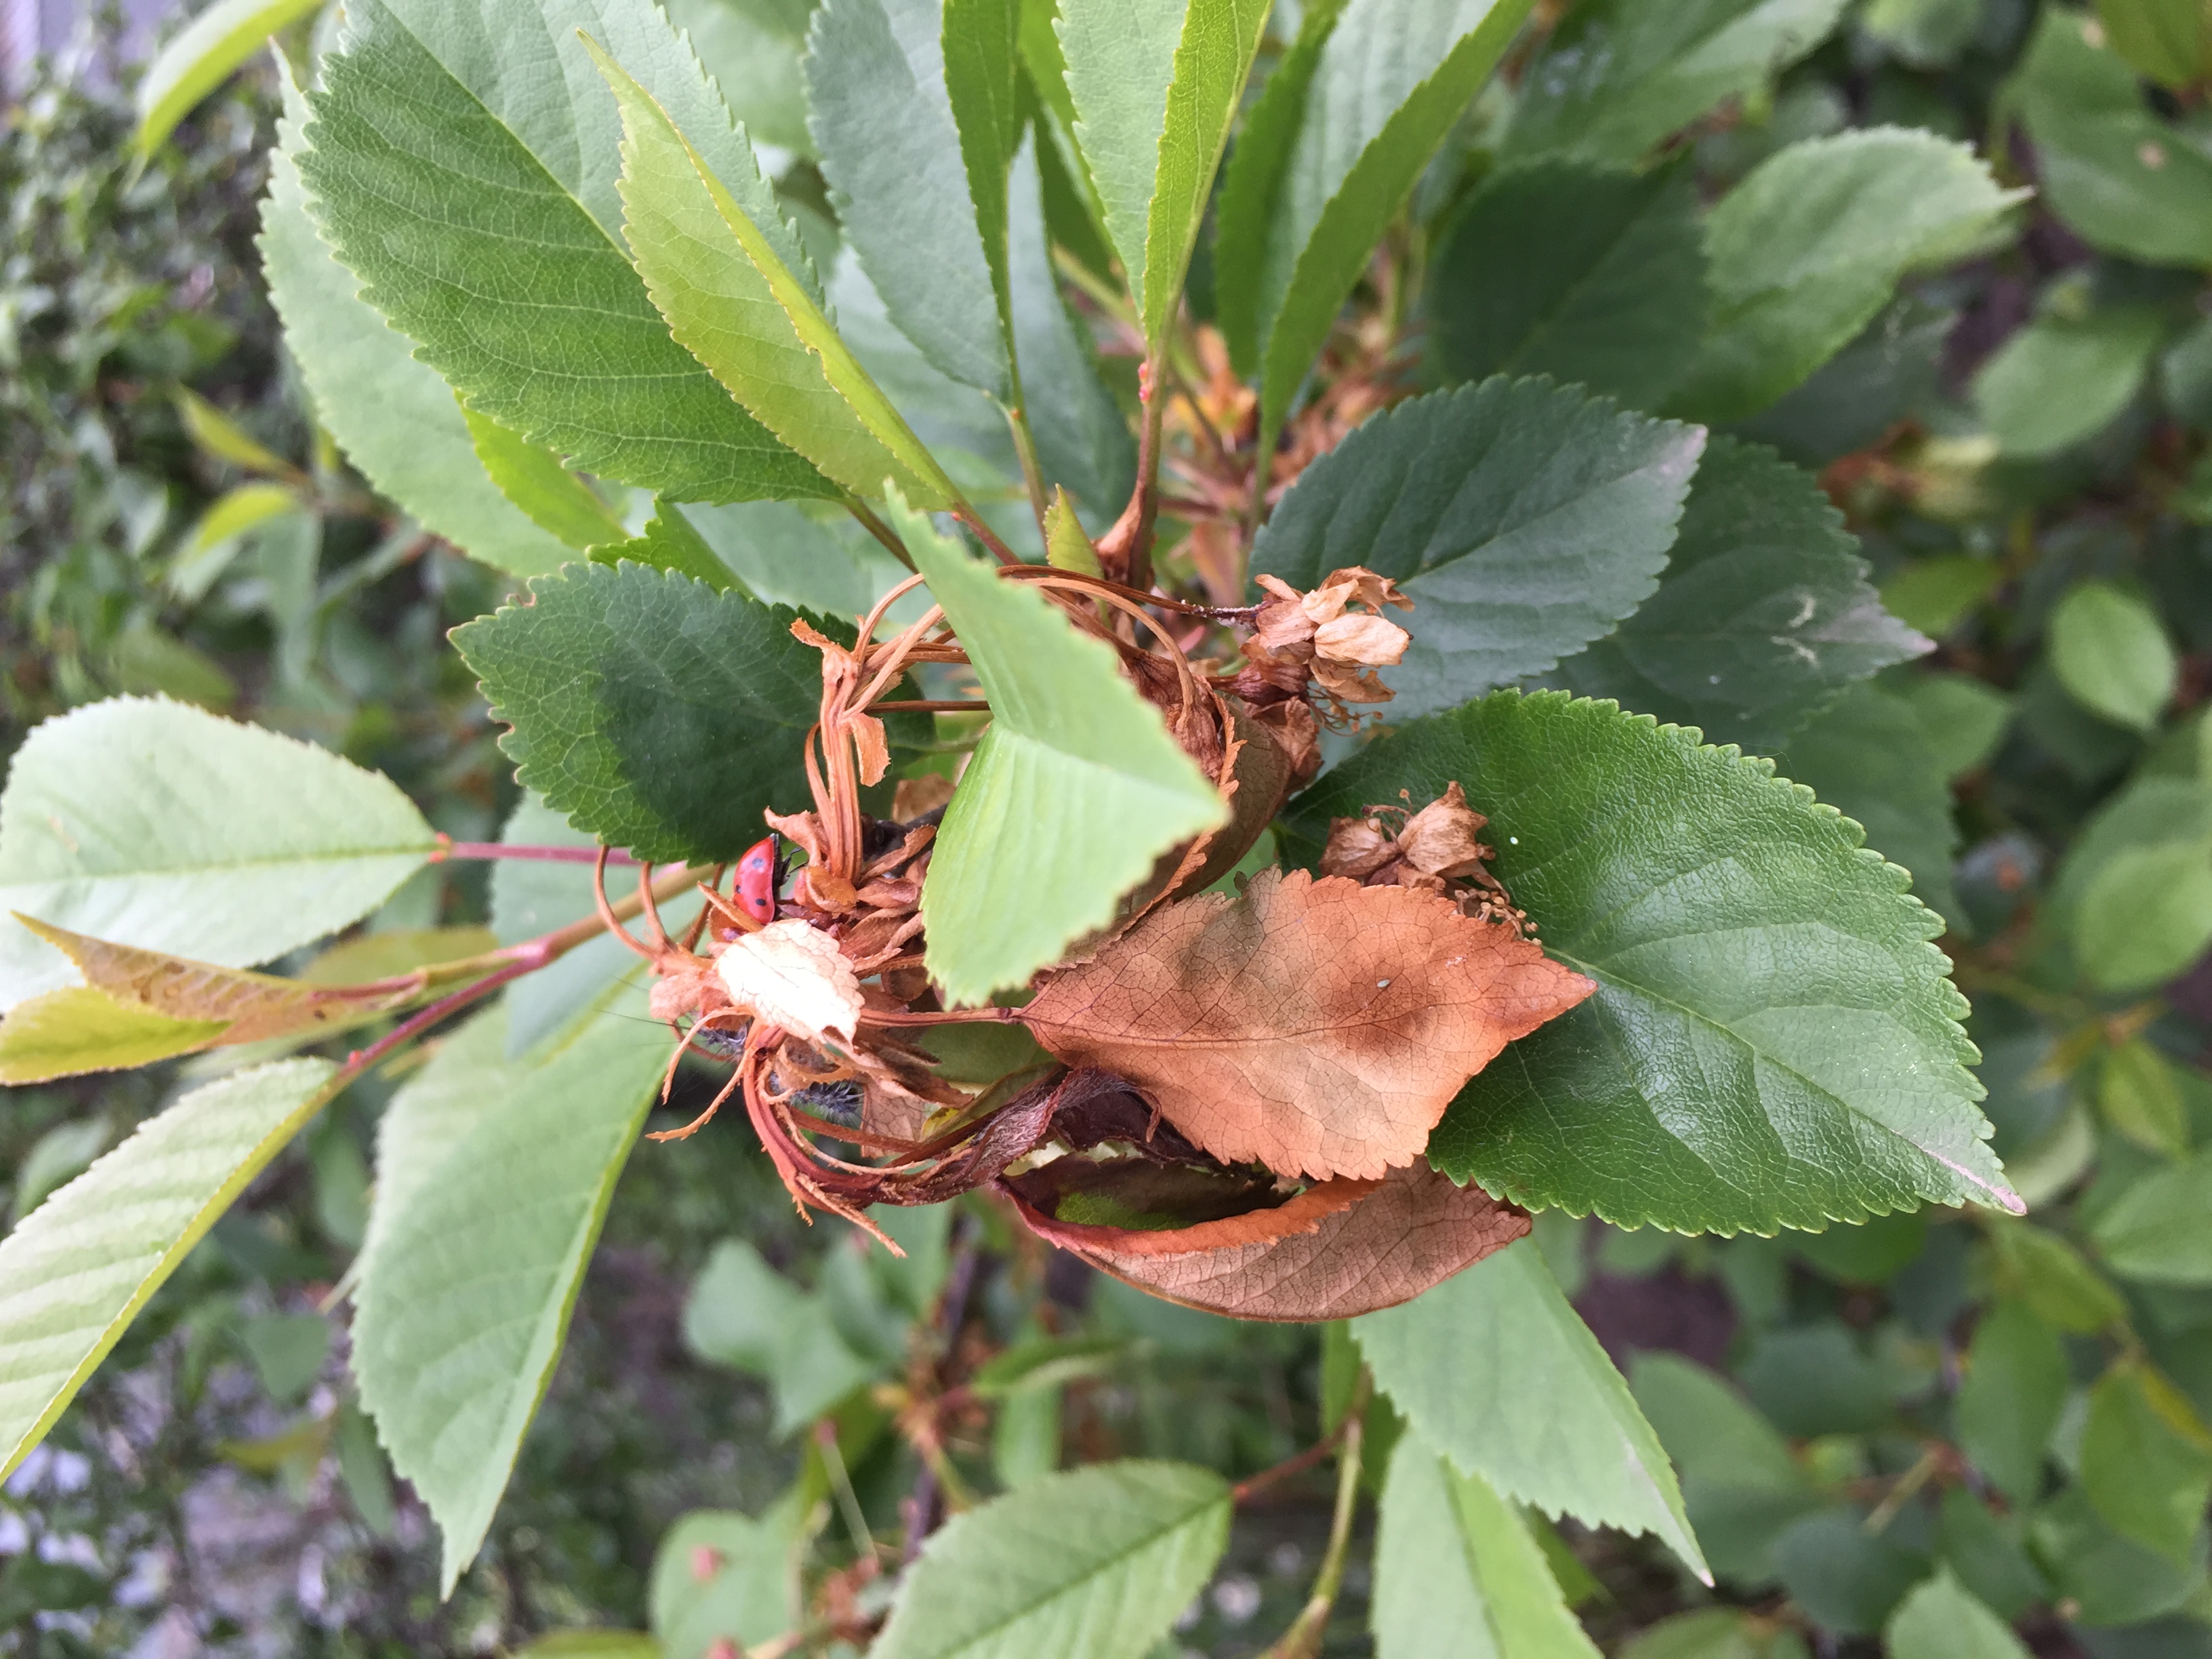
(1121, 66)
(75, 1272)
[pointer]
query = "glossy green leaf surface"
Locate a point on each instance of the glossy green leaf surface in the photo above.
(1763, 614)
(1391, 78)
(1590, 274)
(1523, 520)
(733, 301)
(1094, 1563)
(148, 822)
(452, 1366)
(472, 186)
(200, 57)
(1774, 1041)
(75, 1271)
(394, 417)
(883, 121)
(659, 714)
(1456, 1571)
(1494, 1370)
(1618, 77)
(1806, 250)
(1068, 734)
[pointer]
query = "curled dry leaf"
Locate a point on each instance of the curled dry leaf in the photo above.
(792, 976)
(1319, 1028)
(1338, 1249)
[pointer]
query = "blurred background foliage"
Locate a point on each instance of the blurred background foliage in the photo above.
(2021, 443)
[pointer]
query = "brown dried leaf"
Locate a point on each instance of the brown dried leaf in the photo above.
(1319, 1028)
(1338, 1249)
(251, 1007)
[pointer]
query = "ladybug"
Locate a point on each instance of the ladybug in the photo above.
(758, 877)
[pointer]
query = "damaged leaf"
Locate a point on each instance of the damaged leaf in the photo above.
(793, 975)
(1317, 1027)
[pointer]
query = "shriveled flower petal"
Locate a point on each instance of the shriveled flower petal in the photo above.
(1368, 642)
(1282, 624)
(1349, 683)
(1444, 837)
(1356, 847)
(795, 976)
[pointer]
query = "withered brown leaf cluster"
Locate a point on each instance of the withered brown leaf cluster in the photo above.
(1234, 1093)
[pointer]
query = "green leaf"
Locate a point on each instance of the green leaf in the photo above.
(1935, 595)
(1068, 734)
(1494, 1370)
(2117, 175)
(76, 1029)
(754, 49)
(1713, 1633)
(1989, 1552)
(1584, 273)
(1844, 1576)
(1251, 184)
(2011, 1398)
(2141, 1097)
(1867, 755)
(1083, 441)
(77, 1270)
(221, 438)
(2111, 653)
(2134, 890)
(452, 1365)
(1774, 1041)
(2112, 1579)
(2158, 1229)
(2147, 1461)
(2058, 382)
(1923, 34)
(1763, 614)
(245, 508)
(1456, 1571)
(746, 1594)
(658, 714)
(734, 302)
(669, 542)
(799, 553)
(1092, 1564)
(1392, 78)
(592, 1644)
(2051, 1277)
(555, 499)
(886, 82)
(1942, 1620)
(1740, 1485)
(1618, 77)
(532, 896)
(1522, 518)
(397, 421)
(467, 175)
(743, 1313)
(2164, 39)
(1962, 718)
(200, 57)
(148, 822)
(1806, 251)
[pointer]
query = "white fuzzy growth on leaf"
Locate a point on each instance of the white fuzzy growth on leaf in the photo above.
(795, 976)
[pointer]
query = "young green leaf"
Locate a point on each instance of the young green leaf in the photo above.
(1943, 1620)
(555, 499)
(755, 50)
(658, 714)
(75, 1272)
(1806, 250)
(77, 1028)
(2139, 1093)
(394, 417)
(887, 83)
(1093, 1563)
(201, 58)
(471, 184)
(1618, 77)
(2117, 175)
(1722, 1077)
(2147, 1461)
(1392, 77)
(2111, 653)
(1067, 729)
(1155, 86)
(733, 302)
(669, 542)
(1866, 755)
(2164, 39)
(800, 554)
(1523, 520)
(1741, 1483)
(1494, 1370)
(452, 1367)
(743, 1313)
(1456, 1571)
(151, 823)
(2158, 1229)
(1764, 613)
(746, 1595)
(1587, 273)
(2057, 383)
(2010, 1400)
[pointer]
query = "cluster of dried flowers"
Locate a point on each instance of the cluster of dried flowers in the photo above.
(1229, 1097)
